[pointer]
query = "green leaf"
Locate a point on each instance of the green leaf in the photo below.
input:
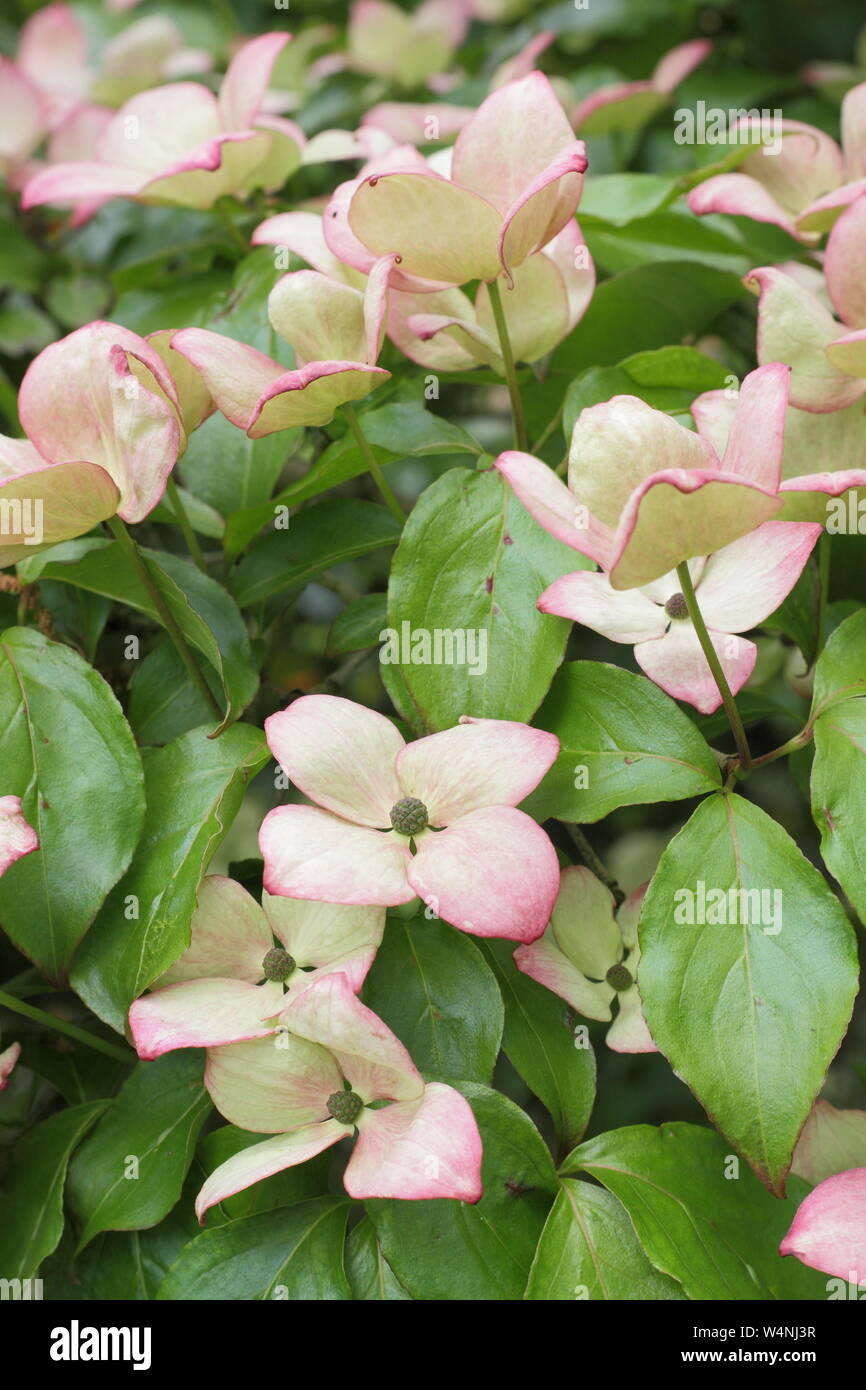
(797, 615)
(446, 1250)
(68, 752)
(194, 788)
(292, 1185)
(431, 985)
(317, 538)
(701, 1218)
(226, 469)
(203, 518)
(360, 624)
(294, 1254)
(163, 702)
(472, 563)
(748, 1013)
(623, 742)
(588, 1250)
(407, 430)
(839, 769)
(667, 379)
(620, 198)
(540, 1043)
(130, 1171)
(207, 616)
(647, 307)
(370, 1276)
(33, 1189)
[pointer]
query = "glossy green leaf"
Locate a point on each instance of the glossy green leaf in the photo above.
(839, 768)
(702, 1217)
(431, 985)
(747, 992)
(623, 742)
(295, 1254)
(471, 565)
(371, 1278)
(67, 751)
(129, 1173)
(33, 1189)
(360, 624)
(588, 1251)
(194, 787)
(316, 539)
(542, 1045)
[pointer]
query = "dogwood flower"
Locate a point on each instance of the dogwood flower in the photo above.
(644, 493)
(829, 1230)
(52, 54)
(589, 956)
(180, 145)
(232, 980)
(336, 331)
(516, 179)
(629, 105)
(803, 187)
(736, 587)
(17, 838)
(385, 41)
(314, 1085)
(105, 422)
(435, 819)
(549, 295)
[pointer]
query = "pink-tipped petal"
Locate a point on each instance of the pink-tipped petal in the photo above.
(854, 131)
(17, 838)
(622, 615)
(246, 80)
(373, 1061)
(676, 65)
(418, 1150)
(408, 123)
(842, 265)
(741, 196)
(8, 1058)
(236, 376)
(339, 754)
(23, 114)
(755, 440)
(309, 853)
(440, 230)
(543, 208)
(554, 507)
(544, 962)
(795, 328)
(745, 582)
(202, 1013)
(492, 872)
(480, 762)
(321, 318)
(677, 663)
(55, 502)
(628, 1032)
(829, 1230)
(263, 1160)
(301, 233)
(271, 1084)
(583, 923)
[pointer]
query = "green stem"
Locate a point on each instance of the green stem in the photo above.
(547, 432)
(126, 542)
(823, 587)
(520, 437)
(184, 523)
(592, 861)
(792, 746)
(736, 723)
(373, 467)
(60, 1025)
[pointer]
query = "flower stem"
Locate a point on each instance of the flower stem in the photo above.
(373, 467)
(823, 588)
(734, 719)
(520, 437)
(184, 651)
(592, 861)
(183, 521)
(70, 1030)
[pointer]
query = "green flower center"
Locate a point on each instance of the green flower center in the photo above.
(278, 965)
(676, 607)
(409, 816)
(345, 1107)
(619, 978)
